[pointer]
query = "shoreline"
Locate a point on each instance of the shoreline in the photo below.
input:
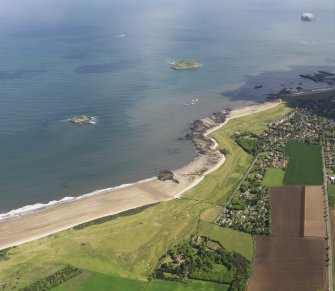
(71, 211)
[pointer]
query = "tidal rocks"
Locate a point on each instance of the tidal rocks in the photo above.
(165, 175)
(196, 133)
(321, 76)
(258, 86)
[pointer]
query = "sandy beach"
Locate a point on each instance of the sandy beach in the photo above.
(21, 229)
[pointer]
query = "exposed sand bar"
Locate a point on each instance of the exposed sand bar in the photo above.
(18, 230)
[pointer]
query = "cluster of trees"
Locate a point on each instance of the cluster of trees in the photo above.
(250, 142)
(200, 258)
(54, 279)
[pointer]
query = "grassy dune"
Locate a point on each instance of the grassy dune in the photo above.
(130, 246)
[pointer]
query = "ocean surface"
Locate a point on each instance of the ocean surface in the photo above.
(110, 59)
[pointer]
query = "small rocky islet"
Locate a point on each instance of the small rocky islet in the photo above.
(82, 119)
(185, 65)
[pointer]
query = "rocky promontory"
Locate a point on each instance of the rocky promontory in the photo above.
(203, 145)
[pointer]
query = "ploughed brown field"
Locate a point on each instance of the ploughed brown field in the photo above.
(294, 256)
(289, 264)
(315, 225)
(287, 213)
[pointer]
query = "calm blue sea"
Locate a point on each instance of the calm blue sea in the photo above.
(110, 59)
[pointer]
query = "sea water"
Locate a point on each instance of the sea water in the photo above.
(110, 59)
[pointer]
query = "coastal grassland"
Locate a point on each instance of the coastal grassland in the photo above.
(304, 165)
(274, 177)
(88, 281)
(192, 285)
(211, 213)
(217, 187)
(232, 240)
(331, 195)
(130, 246)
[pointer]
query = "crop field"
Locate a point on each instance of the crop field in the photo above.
(274, 177)
(130, 246)
(294, 256)
(287, 213)
(289, 264)
(314, 223)
(305, 164)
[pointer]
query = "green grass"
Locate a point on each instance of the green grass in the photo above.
(88, 281)
(331, 195)
(192, 285)
(232, 240)
(130, 246)
(274, 177)
(304, 165)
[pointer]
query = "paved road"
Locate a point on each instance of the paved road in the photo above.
(329, 229)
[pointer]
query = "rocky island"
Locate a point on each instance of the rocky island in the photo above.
(82, 119)
(185, 65)
(308, 17)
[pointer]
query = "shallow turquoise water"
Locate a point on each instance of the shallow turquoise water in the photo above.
(110, 59)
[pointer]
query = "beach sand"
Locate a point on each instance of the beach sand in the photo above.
(21, 229)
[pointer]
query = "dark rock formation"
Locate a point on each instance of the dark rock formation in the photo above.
(321, 77)
(165, 175)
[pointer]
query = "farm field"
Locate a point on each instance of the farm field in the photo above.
(277, 259)
(287, 215)
(314, 224)
(294, 256)
(232, 240)
(274, 177)
(130, 246)
(302, 170)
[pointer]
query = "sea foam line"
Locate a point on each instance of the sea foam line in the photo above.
(41, 206)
